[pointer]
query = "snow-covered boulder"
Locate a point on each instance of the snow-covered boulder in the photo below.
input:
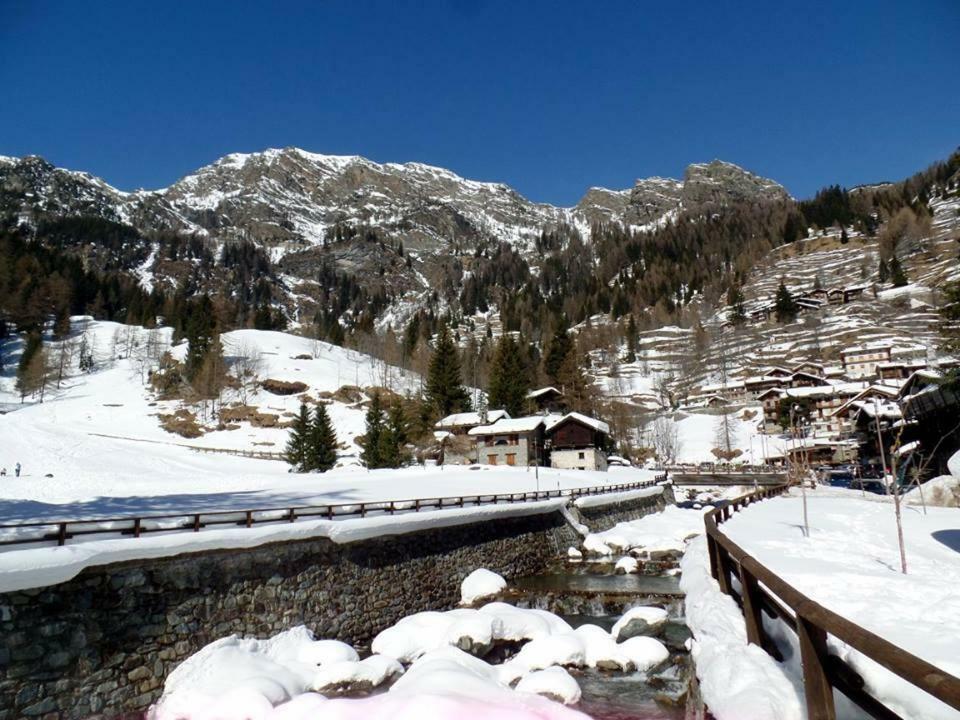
(574, 554)
(626, 566)
(514, 624)
(353, 678)
(554, 683)
(481, 584)
(953, 464)
(326, 652)
(566, 649)
(645, 653)
(642, 620)
(601, 650)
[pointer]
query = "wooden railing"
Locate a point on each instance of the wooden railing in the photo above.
(59, 531)
(762, 591)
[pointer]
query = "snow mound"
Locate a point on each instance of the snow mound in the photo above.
(645, 652)
(481, 584)
(942, 491)
(626, 565)
(737, 680)
(663, 531)
(554, 683)
(640, 620)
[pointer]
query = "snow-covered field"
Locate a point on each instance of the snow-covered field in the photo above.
(850, 564)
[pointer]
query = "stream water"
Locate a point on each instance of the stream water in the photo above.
(591, 592)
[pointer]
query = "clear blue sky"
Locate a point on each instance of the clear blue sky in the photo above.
(550, 97)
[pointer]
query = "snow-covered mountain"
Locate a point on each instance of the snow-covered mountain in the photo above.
(290, 198)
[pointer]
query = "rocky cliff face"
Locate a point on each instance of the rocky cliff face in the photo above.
(291, 203)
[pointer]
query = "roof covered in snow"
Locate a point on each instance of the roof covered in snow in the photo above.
(590, 422)
(540, 392)
(510, 425)
(470, 419)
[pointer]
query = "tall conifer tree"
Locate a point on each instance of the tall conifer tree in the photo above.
(445, 391)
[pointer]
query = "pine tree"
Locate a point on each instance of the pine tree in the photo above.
(785, 306)
(393, 438)
(737, 314)
(561, 345)
(883, 272)
(372, 444)
(322, 444)
(32, 368)
(199, 332)
(297, 443)
(844, 238)
(445, 391)
(897, 276)
(509, 378)
(573, 383)
(632, 340)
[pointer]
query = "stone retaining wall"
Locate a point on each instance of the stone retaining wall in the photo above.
(102, 643)
(604, 517)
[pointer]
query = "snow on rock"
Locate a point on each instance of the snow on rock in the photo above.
(355, 676)
(276, 679)
(663, 531)
(452, 673)
(417, 634)
(515, 623)
(270, 668)
(737, 680)
(626, 565)
(480, 585)
(554, 683)
(574, 554)
(565, 649)
(327, 652)
(644, 652)
(600, 649)
(640, 620)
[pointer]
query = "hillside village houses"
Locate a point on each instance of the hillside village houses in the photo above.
(840, 405)
(571, 441)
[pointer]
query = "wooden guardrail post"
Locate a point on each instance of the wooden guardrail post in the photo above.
(62, 534)
(750, 592)
(816, 683)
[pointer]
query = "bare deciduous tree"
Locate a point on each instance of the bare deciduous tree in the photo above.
(665, 435)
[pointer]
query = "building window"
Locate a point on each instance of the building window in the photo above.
(580, 456)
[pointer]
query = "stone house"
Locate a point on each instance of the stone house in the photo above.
(510, 441)
(452, 432)
(862, 360)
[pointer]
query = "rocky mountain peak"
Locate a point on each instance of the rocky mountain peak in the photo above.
(721, 183)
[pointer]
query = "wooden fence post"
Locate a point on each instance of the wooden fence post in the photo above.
(816, 684)
(750, 592)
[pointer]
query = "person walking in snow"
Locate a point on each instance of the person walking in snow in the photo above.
(16, 469)
(3, 472)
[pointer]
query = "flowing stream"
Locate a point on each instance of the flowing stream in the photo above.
(592, 592)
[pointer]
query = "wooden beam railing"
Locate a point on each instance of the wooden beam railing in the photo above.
(762, 591)
(60, 531)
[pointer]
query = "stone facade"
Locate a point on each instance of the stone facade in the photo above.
(585, 458)
(102, 643)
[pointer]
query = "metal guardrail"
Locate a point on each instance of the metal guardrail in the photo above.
(60, 531)
(761, 590)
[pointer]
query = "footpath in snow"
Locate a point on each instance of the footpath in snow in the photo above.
(850, 564)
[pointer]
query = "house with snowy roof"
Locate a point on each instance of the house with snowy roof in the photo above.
(511, 441)
(546, 400)
(578, 442)
(452, 433)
